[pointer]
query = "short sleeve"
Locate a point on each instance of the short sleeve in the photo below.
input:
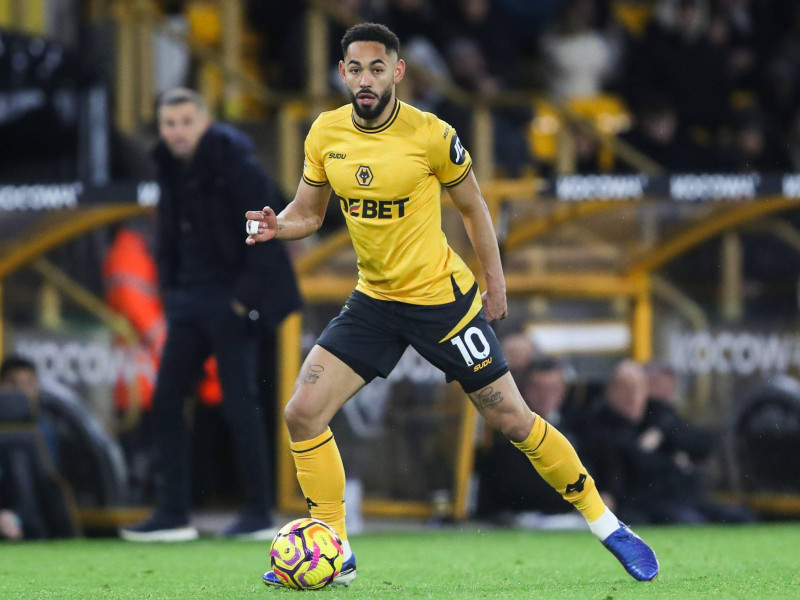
(313, 169)
(449, 160)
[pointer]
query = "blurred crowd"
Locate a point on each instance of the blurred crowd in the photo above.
(711, 84)
(649, 462)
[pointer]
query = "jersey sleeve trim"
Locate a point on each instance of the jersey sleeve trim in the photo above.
(460, 178)
(314, 183)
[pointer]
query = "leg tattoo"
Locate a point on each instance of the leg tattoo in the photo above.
(313, 373)
(486, 398)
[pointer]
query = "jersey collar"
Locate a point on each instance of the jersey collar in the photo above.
(382, 127)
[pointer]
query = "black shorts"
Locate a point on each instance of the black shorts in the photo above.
(371, 335)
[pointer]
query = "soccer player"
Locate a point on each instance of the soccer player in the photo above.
(386, 162)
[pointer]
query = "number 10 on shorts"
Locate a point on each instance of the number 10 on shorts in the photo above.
(472, 344)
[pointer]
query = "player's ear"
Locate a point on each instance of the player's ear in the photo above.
(399, 70)
(341, 70)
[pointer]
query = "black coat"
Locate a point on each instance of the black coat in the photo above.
(223, 181)
(634, 476)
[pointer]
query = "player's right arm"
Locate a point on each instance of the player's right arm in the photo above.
(302, 217)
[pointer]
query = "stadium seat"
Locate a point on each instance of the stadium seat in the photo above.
(204, 22)
(89, 458)
(633, 15)
(765, 437)
(608, 113)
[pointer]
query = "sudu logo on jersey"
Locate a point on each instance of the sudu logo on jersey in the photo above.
(373, 209)
(457, 153)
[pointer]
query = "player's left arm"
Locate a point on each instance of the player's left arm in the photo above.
(467, 197)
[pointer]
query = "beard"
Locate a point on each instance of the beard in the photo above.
(371, 112)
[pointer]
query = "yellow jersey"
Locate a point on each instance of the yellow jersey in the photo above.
(388, 184)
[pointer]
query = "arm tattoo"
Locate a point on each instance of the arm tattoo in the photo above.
(310, 377)
(281, 226)
(486, 398)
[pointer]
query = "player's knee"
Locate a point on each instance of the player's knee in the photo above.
(514, 425)
(295, 414)
(300, 417)
(515, 431)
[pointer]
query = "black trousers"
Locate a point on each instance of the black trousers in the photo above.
(201, 322)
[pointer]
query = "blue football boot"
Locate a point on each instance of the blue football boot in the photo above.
(271, 579)
(633, 553)
(345, 576)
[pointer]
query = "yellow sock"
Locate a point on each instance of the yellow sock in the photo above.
(321, 475)
(556, 461)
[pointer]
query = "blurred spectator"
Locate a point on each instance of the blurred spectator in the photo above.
(470, 67)
(732, 26)
(171, 57)
(19, 374)
(686, 443)
(35, 503)
(677, 59)
(669, 433)
(426, 74)
(282, 29)
(474, 20)
(578, 58)
(779, 91)
(131, 289)
(525, 20)
(643, 483)
(482, 62)
(657, 134)
(751, 148)
(519, 350)
(470, 71)
(662, 382)
(508, 489)
(544, 388)
(412, 19)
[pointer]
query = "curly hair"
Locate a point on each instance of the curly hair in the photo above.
(371, 32)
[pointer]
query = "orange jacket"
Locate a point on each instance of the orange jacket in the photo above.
(131, 281)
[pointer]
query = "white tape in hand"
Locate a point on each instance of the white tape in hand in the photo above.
(252, 227)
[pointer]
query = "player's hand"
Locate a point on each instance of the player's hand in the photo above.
(495, 305)
(261, 225)
(651, 439)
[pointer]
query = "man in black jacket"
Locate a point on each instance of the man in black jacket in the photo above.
(635, 454)
(217, 293)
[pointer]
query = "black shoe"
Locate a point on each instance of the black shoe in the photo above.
(160, 528)
(249, 527)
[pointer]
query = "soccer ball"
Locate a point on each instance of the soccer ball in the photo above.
(306, 554)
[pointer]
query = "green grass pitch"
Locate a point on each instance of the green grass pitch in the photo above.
(760, 562)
